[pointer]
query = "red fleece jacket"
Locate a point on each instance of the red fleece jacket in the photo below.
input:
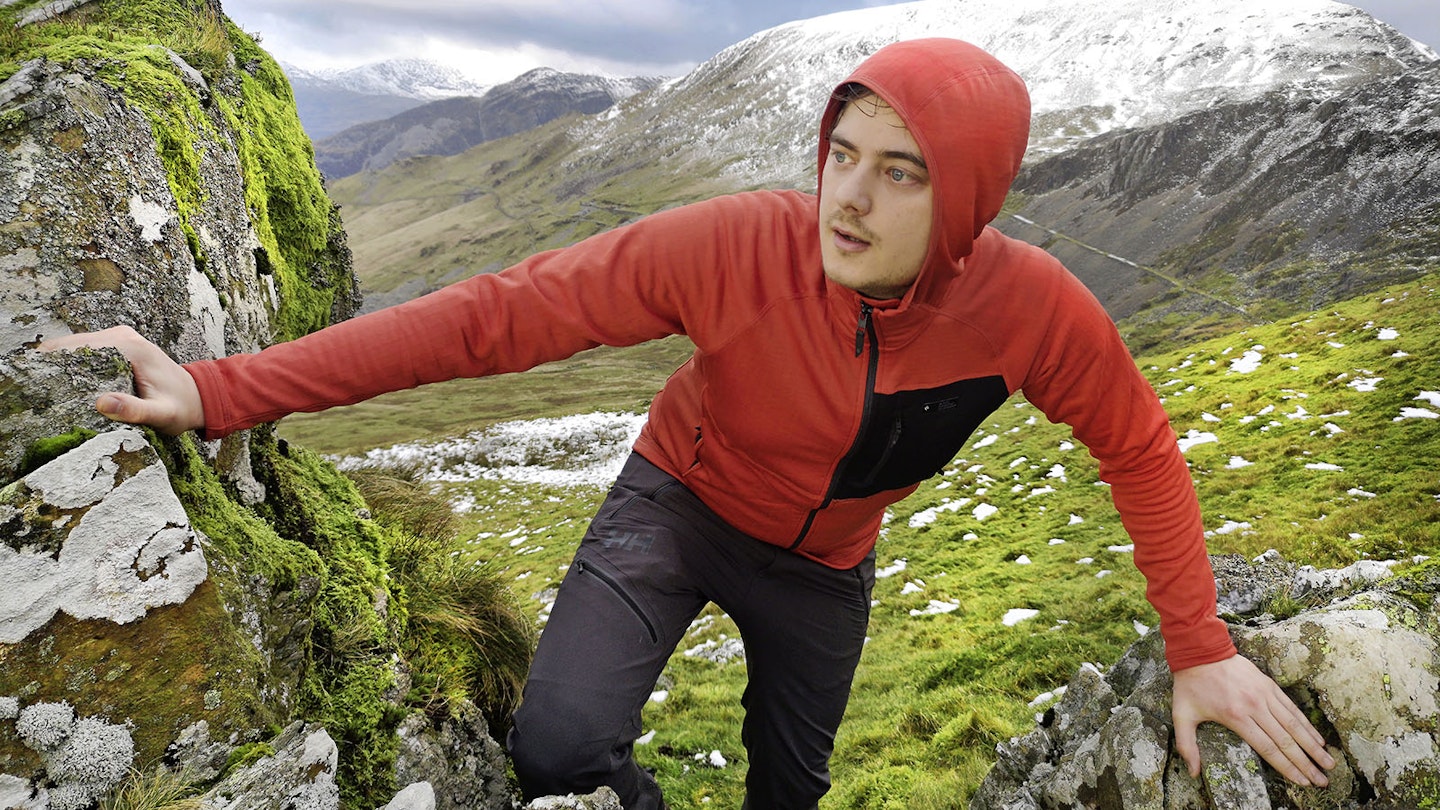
(806, 409)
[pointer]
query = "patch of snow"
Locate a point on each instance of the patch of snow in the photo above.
(1195, 437)
(580, 450)
(1229, 527)
(1247, 362)
(1014, 616)
(927, 516)
(892, 569)
(936, 608)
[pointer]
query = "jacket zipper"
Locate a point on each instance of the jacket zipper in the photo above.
(610, 583)
(864, 331)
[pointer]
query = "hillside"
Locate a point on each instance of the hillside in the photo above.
(450, 126)
(1136, 109)
(1004, 574)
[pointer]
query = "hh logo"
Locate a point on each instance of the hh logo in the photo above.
(629, 541)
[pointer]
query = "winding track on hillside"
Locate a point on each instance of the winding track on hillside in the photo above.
(1166, 277)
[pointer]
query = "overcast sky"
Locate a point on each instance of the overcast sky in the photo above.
(496, 40)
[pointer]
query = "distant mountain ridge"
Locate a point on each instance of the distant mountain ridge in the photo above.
(333, 100)
(452, 125)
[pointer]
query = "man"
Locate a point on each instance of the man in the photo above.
(846, 346)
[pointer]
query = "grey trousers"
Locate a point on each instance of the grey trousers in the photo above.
(653, 557)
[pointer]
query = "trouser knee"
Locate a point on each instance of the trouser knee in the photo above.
(550, 759)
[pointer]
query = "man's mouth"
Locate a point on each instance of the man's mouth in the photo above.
(850, 237)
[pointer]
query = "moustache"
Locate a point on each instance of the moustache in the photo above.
(855, 229)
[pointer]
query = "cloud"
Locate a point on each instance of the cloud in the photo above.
(618, 36)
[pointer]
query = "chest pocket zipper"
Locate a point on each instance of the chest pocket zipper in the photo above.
(614, 587)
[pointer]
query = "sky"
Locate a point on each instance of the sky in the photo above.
(495, 40)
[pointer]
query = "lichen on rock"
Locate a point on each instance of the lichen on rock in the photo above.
(97, 533)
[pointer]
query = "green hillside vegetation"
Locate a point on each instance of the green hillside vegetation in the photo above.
(440, 219)
(936, 691)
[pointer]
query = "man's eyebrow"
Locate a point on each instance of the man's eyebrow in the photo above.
(894, 154)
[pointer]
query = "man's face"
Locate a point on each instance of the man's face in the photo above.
(875, 202)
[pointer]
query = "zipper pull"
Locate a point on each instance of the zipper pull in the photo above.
(862, 328)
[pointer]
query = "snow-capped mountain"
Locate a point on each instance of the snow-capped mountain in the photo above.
(333, 100)
(1091, 67)
(407, 78)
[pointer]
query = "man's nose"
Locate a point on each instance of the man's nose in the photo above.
(854, 193)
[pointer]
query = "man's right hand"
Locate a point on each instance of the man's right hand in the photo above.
(168, 399)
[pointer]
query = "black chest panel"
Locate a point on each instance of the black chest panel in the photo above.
(911, 435)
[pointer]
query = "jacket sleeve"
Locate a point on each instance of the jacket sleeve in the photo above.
(1083, 375)
(619, 288)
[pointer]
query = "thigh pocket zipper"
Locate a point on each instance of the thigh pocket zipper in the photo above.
(610, 583)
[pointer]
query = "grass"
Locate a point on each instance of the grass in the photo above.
(160, 789)
(935, 693)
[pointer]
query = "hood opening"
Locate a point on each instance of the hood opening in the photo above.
(970, 116)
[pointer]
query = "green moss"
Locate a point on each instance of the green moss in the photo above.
(357, 623)
(248, 754)
(237, 532)
(44, 451)
(296, 222)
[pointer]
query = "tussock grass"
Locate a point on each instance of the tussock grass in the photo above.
(465, 635)
(160, 789)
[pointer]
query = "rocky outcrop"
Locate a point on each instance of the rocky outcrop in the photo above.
(169, 600)
(1364, 665)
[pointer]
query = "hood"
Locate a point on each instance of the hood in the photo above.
(970, 116)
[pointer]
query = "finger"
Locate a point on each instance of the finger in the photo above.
(1187, 745)
(125, 408)
(1307, 735)
(115, 336)
(1278, 747)
(1299, 740)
